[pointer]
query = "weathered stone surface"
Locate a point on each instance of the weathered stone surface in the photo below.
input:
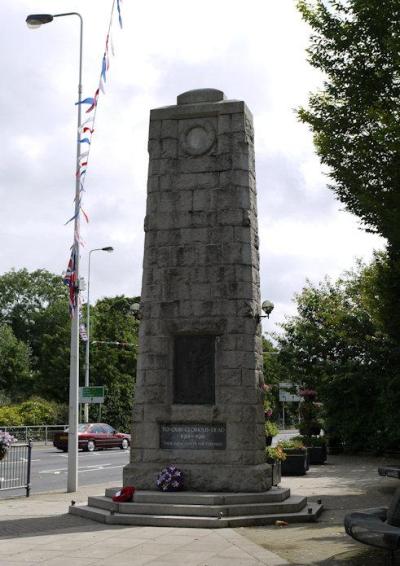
(201, 95)
(200, 283)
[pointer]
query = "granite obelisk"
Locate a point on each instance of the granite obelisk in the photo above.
(198, 397)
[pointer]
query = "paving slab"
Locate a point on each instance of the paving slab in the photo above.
(344, 484)
(39, 530)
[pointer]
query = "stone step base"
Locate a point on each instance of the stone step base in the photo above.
(309, 513)
(273, 495)
(291, 505)
(200, 510)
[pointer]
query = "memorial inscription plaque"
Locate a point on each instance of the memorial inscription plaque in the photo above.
(193, 436)
(194, 370)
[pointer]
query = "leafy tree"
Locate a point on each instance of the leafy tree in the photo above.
(355, 119)
(336, 345)
(111, 364)
(37, 411)
(10, 416)
(34, 305)
(24, 296)
(54, 329)
(16, 378)
(274, 373)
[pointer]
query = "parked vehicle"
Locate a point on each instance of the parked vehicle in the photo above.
(92, 436)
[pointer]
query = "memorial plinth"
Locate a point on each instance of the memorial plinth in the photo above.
(198, 396)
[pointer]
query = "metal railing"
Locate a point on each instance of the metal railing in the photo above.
(15, 468)
(41, 433)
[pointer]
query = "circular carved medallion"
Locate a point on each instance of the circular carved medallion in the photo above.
(198, 139)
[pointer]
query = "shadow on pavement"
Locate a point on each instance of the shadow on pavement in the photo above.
(38, 526)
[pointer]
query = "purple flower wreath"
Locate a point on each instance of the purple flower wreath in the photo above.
(170, 479)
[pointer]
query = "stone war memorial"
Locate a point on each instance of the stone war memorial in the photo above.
(199, 391)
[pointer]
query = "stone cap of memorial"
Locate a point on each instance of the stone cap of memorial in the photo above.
(200, 95)
(199, 102)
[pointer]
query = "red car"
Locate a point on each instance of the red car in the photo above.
(92, 436)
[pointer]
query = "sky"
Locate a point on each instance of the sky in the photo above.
(256, 54)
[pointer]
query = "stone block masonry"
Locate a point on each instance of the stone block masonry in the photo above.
(198, 397)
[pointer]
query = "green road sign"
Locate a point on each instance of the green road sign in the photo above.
(93, 394)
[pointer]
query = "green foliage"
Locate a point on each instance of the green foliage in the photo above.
(271, 428)
(10, 416)
(37, 411)
(275, 453)
(355, 118)
(34, 411)
(34, 306)
(54, 353)
(274, 373)
(15, 366)
(310, 423)
(35, 349)
(111, 365)
(24, 296)
(337, 346)
(291, 444)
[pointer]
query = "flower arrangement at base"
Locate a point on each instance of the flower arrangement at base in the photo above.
(275, 453)
(170, 479)
(6, 440)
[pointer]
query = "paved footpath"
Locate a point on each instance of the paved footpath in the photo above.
(39, 530)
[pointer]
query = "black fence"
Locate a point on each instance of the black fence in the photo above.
(15, 468)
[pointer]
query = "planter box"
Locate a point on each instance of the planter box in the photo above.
(276, 469)
(317, 454)
(296, 463)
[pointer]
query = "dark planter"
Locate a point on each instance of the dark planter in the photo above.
(268, 440)
(317, 454)
(276, 469)
(296, 463)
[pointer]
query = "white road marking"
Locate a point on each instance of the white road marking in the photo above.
(81, 470)
(96, 469)
(90, 468)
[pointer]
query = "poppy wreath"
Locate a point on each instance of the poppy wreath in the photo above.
(124, 495)
(170, 479)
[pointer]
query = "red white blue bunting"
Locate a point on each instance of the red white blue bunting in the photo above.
(85, 134)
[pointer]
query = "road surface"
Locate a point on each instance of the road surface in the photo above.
(49, 469)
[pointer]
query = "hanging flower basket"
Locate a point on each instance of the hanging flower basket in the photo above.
(6, 440)
(170, 479)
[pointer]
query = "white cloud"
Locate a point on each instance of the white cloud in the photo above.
(255, 53)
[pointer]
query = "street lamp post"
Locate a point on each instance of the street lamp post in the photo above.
(34, 21)
(87, 352)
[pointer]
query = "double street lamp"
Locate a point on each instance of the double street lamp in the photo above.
(108, 249)
(34, 21)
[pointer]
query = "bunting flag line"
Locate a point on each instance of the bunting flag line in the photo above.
(94, 102)
(84, 136)
(85, 101)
